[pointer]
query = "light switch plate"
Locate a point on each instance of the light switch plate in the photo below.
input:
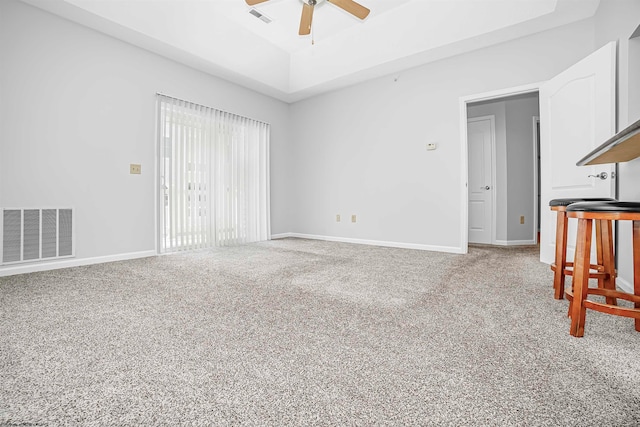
(135, 169)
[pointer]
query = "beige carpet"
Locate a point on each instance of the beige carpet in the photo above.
(298, 332)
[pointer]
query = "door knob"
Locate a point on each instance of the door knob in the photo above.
(601, 175)
(486, 187)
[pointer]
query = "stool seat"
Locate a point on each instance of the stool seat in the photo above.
(604, 206)
(569, 201)
(587, 213)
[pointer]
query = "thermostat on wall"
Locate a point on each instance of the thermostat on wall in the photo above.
(432, 146)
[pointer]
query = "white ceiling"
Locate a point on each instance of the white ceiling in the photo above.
(221, 37)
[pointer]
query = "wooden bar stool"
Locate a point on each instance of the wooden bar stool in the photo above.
(561, 268)
(586, 213)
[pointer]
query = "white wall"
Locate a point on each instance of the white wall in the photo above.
(520, 111)
(361, 150)
(617, 20)
(78, 107)
(633, 103)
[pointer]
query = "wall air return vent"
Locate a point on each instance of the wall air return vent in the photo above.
(260, 16)
(36, 234)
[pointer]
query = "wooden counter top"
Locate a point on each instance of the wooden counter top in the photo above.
(622, 147)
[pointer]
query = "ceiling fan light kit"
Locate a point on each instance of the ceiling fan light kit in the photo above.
(350, 6)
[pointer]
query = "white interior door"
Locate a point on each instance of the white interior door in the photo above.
(481, 142)
(577, 114)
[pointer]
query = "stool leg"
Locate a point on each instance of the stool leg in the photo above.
(581, 276)
(608, 259)
(561, 255)
(636, 265)
(599, 251)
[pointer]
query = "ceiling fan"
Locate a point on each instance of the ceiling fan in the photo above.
(356, 9)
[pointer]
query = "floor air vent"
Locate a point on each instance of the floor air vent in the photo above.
(36, 234)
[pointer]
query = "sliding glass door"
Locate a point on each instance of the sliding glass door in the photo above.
(213, 175)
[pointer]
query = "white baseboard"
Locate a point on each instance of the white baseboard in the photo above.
(433, 248)
(281, 236)
(73, 262)
(515, 242)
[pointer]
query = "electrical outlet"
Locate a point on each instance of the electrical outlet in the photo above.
(135, 169)
(338, 218)
(353, 218)
(521, 219)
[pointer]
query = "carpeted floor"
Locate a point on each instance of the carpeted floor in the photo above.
(298, 332)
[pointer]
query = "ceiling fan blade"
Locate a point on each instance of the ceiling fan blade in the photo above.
(254, 2)
(305, 19)
(356, 9)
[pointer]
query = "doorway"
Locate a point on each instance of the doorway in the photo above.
(579, 123)
(514, 212)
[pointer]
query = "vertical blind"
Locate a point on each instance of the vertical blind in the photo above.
(214, 177)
